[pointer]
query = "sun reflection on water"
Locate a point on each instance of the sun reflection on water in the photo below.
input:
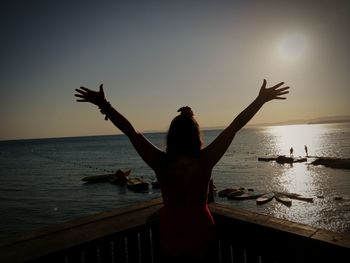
(240, 168)
(297, 177)
(297, 180)
(305, 179)
(297, 136)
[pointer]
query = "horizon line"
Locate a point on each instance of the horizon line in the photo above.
(210, 128)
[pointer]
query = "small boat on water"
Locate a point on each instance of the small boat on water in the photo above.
(282, 159)
(119, 178)
(267, 158)
(283, 199)
(226, 192)
(265, 198)
(234, 192)
(337, 163)
(137, 185)
(246, 195)
(96, 178)
(299, 197)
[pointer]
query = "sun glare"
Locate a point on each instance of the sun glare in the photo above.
(292, 46)
(296, 136)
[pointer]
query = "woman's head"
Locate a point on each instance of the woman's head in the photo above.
(184, 136)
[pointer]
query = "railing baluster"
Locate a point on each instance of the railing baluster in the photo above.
(237, 254)
(105, 252)
(225, 249)
(91, 253)
(112, 252)
(133, 248)
(75, 255)
(268, 259)
(251, 256)
(145, 245)
(155, 237)
(120, 254)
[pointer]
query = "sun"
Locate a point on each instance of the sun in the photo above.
(292, 46)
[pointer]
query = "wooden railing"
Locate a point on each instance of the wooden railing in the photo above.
(245, 236)
(132, 235)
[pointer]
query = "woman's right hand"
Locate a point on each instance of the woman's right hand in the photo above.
(94, 97)
(272, 93)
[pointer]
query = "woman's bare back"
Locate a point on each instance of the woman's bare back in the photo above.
(184, 181)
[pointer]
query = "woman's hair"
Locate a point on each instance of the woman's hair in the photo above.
(184, 137)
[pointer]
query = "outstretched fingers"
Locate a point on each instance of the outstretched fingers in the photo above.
(82, 98)
(86, 89)
(277, 85)
(274, 92)
(86, 95)
(281, 92)
(81, 93)
(282, 89)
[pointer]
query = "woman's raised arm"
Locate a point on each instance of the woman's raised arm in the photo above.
(214, 151)
(148, 152)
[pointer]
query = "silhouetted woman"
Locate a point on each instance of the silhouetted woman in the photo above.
(184, 171)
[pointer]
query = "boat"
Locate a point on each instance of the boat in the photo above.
(96, 178)
(304, 198)
(226, 192)
(282, 159)
(300, 160)
(120, 177)
(235, 192)
(267, 158)
(283, 199)
(338, 198)
(106, 177)
(299, 197)
(137, 184)
(246, 195)
(265, 198)
(337, 163)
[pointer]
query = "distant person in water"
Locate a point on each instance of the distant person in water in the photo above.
(291, 150)
(306, 151)
(187, 229)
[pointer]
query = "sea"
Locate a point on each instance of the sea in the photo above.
(41, 179)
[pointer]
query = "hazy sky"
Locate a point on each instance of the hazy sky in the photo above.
(155, 57)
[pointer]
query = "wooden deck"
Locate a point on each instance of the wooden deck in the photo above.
(131, 235)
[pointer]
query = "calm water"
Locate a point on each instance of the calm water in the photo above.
(40, 180)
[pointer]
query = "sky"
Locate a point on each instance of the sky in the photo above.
(155, 56)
